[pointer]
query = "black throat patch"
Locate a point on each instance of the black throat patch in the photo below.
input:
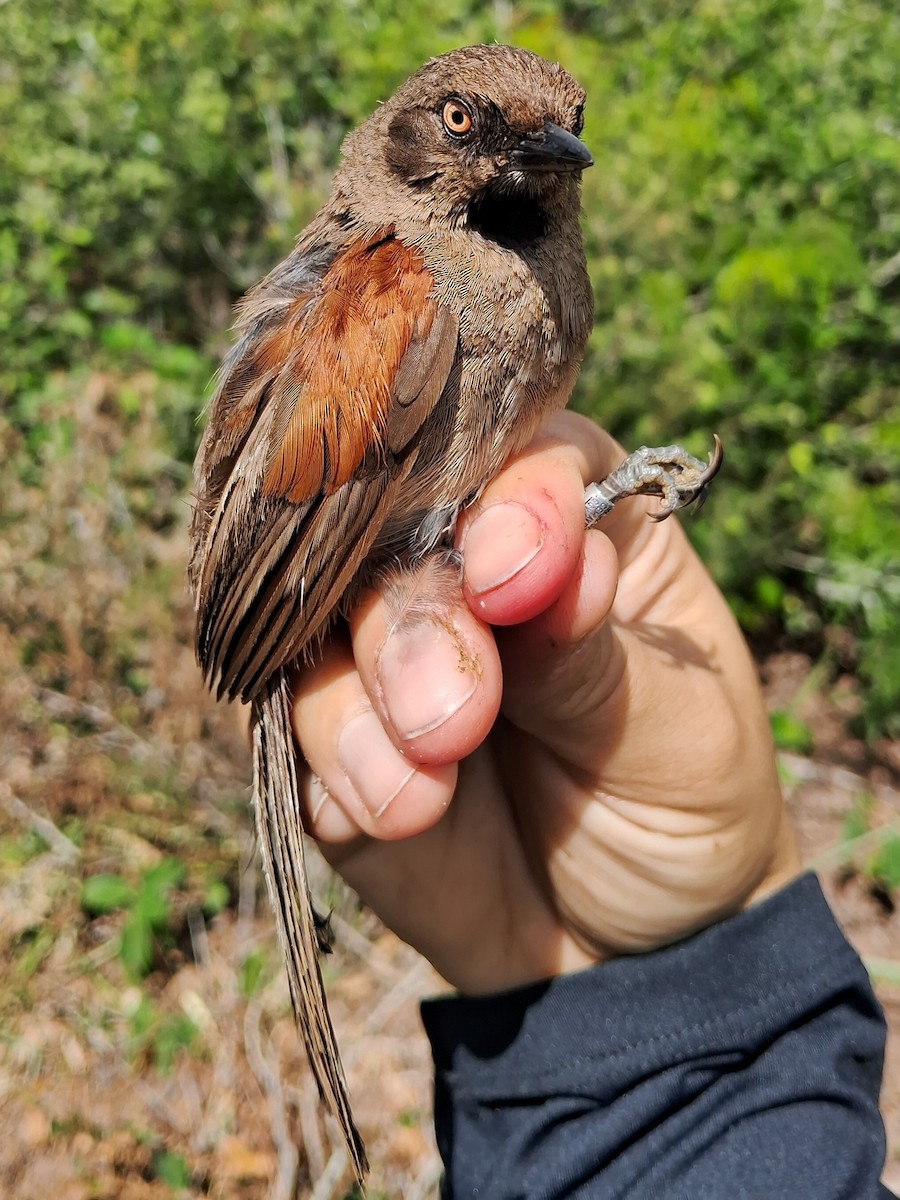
(507, 218)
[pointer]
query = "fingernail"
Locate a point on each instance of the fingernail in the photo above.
(426, 674)
(499, 543)
(374, 767)
(329, 821)
(318, 795)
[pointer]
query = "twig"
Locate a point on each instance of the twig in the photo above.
(807, 770)
(401, 1047)
(161, 1106)
(218, 1109)
(270, 1081)
(413, 984)
(308, 1109)
(246, 909)
(193, 1099)
(42, 826)
(331, 1176)
(58, 704)
(834, 856)
(853, 582)
(425, 1184)
(886, 970)
(279, 210)
(349, 939)
(199, 938)
(233, 271)
(888, 271)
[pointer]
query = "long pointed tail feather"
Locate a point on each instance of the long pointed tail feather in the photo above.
(276, 788)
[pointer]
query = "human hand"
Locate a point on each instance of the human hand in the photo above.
(626, 794)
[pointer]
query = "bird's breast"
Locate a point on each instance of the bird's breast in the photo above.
(523, 324)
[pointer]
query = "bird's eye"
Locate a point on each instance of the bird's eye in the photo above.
(457, 118)
(578, 123)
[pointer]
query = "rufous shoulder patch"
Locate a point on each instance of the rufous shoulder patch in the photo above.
(334, 361)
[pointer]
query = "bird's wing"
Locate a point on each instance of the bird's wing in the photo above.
(312, 431)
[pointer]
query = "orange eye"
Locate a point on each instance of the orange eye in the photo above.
(457, 118)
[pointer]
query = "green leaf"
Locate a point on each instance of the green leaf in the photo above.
(216, 897)
(105, 893)
(858, 819)
(770, 593)
(884, 865)
(136, 946)
(251, 973)
(173, 1035)
(801, 456)
(152, 899)
(790, 733)
(171, 1169)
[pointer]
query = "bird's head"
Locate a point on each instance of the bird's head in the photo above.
(475, 134)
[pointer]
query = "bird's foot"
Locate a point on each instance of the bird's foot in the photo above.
(665, 471)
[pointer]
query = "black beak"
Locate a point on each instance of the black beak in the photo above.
(551, 149)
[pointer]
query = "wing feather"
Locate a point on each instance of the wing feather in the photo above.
(314, 427)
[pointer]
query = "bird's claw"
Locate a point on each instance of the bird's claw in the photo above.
(665, 471)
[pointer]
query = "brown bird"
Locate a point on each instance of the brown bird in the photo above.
(427, 320)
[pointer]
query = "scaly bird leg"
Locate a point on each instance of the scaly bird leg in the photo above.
(666, 471)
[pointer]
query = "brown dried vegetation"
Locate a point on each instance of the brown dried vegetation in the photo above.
(190, 1080)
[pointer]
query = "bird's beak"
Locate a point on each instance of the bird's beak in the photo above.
(550, 149)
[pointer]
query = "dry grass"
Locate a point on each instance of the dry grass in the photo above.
(114, 760)
(190, 1081)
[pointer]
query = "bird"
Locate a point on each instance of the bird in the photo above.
(425, 323)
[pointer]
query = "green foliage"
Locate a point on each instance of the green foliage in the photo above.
(253, 974)
(884, 866)
(23, 847)
(33, 947)
(162, 1036)
(105, 893)
(858, 820)
(215, 898)
(165, 153)
(146, 905)
(171, 1169)
(789, 733)
(881, 865)
(742, 225)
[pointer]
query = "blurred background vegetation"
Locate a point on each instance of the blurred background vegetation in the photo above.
(742, 223)
(158, 156)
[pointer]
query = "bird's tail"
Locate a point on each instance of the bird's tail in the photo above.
(276, 789)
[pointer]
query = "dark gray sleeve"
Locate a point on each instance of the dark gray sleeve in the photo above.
(744, 1062)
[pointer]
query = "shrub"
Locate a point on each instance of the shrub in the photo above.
(742, 224)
